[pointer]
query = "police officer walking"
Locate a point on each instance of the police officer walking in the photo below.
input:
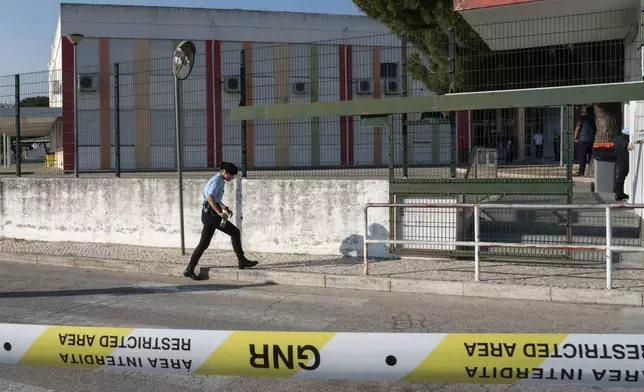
(214, 216)
(622, 147)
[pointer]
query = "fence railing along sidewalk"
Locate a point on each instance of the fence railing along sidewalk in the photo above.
(609, 247)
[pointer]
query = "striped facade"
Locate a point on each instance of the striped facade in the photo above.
(146, 105)
(349, 50)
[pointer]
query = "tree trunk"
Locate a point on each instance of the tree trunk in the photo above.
(608, 117)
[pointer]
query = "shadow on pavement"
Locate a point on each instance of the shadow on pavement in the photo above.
(188, 288)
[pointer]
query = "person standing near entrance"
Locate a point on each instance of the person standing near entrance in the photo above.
(585, 136)
(622, 148)
(538, 144)
(214, 216)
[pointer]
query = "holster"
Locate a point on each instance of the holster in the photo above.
(208, 209)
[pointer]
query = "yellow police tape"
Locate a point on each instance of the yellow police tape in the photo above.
(532, 359)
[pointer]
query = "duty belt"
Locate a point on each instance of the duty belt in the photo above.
(208, 209)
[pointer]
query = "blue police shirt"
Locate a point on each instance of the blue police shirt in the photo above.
(214, 187)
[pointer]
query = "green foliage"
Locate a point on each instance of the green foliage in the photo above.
(40, 101)
(426, 26)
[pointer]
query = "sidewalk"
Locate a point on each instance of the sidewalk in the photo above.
(578, 284)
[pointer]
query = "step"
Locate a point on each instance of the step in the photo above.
(580, 255)
(577, 198)
(620, 218)
(513, 231)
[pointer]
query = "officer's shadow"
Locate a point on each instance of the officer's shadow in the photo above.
(353, 246)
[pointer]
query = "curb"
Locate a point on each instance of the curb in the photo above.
(353, 282)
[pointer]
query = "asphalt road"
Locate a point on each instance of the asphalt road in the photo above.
(45, 295)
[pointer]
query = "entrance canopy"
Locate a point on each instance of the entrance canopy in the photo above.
(518, 24)
(34, 122)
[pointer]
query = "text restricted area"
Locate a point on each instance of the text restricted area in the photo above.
(537, 359)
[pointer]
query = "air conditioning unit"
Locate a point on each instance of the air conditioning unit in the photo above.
(392, 87)
(88, 82)
(364, 86)
(232, 84)
(300, 88)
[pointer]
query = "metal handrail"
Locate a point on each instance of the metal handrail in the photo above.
(609, 248)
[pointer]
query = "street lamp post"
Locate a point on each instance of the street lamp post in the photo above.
(75, 39)
(182, 63)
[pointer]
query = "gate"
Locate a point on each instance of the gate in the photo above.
(484, 178)
(607, 247)
(442, 178)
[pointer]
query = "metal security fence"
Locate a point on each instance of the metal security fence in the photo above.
(564, 50)
(351, 68)
(514, 92)
(28, 118)
(451, 217)
(126, 118)
(509, 224)
(529, 143)
(460, 113)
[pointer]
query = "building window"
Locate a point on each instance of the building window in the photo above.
(389, 70)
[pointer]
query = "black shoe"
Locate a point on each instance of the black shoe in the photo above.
(621, 197)
(190, 274)
(247, 264)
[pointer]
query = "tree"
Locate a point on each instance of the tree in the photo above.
(426, 23)
(39, 101)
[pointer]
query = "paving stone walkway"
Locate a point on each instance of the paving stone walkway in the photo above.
(582, 277)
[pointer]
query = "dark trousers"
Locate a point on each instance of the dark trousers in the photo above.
(539, 150)
(620, 177)
(585, 155)
(211, 223)
(557, 148)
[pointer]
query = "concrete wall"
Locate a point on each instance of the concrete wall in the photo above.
(322, 217)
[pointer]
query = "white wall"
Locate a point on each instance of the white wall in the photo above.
(556, 22)
(55, 69)
(634, 119)
(323, 217)
(200, 24)
(231, 130)
(89, 119)
(313, 216)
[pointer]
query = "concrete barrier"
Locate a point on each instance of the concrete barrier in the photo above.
(320, 216)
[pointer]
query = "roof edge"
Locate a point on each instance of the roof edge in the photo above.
(127, 6)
